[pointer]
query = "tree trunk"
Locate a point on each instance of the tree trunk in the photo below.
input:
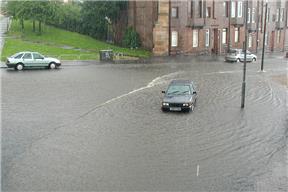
(22, 24)
(33, 25)
(39, 27)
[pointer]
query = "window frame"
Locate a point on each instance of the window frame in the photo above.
(177, 12)
(224, 31)
(249, 15)
(240, 9)
(207, 39)
(233, 9)
(195, 40)
(236, 29)
(174, 39)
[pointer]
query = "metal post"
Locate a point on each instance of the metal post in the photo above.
(245, 58)
(264, 37)
(169, 29)
(229, 25)
(257, 26)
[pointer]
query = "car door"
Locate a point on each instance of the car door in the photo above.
(240, 54)
(27, 60)
(39, 60)
(249, 56)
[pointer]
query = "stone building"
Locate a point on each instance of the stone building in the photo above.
(208, 26)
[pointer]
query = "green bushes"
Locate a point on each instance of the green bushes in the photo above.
(131, 39)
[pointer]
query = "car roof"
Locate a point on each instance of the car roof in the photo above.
(181, 82)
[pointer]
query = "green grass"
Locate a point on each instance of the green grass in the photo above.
(53, 40)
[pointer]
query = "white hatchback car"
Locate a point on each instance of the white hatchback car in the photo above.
(28, 59)
(237, 55)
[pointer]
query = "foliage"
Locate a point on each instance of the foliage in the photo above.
(60, 43)
(94, 14)
(131, 38)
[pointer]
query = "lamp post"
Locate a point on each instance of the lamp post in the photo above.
(108, 29)
(264, 37)
(245, 58)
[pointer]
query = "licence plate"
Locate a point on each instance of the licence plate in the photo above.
(175, 108)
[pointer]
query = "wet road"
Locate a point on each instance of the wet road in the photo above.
(100, 127)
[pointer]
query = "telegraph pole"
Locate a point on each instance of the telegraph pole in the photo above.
(245, 58)
(264, 37)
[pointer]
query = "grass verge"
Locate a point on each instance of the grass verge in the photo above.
(60, 43)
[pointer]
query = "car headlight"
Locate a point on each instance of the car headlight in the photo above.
(185, 104)
(165, 104)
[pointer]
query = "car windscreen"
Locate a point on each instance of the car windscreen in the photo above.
(179, 90)
(17, 55)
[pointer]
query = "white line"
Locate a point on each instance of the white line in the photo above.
(197, 170)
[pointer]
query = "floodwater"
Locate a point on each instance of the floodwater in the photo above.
(122, 141)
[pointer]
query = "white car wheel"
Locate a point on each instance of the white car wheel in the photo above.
(238, 60)
(254, 59)
(52, 66)
(19, 67)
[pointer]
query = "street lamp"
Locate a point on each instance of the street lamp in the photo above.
(108, 29)
(245, 58)
(264, 37)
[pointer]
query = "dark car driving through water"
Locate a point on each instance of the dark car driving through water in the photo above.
(180, 95)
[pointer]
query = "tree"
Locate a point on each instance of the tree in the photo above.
(94, 13)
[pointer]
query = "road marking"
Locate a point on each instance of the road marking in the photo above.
(197, 170)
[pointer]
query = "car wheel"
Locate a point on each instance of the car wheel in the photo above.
(52, 66)
(19, 67)
(254, 59)
(238, 60)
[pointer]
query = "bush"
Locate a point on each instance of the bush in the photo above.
(131, 38)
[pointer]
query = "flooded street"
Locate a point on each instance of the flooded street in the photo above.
(100, 128)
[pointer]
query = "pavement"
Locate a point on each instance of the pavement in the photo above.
(94, 127)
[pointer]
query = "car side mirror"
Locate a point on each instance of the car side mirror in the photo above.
(163, 91)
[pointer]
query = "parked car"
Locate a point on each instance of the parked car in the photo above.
(27, 59)
(237, 55)
(180, 95)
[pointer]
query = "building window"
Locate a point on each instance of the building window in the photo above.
(192, 9)
(250, 39)
(233, 8)
(277, 15)
(224, 36)
(240, 9)
(253, 15)
(200, 9)
(208, 12)
(225, 7)
(282, 15)
(249, 15)
(236, 34)
(195, 38)
(174, 12)
(268, 15)
(174, 40)
(278, 36)
(207, 38)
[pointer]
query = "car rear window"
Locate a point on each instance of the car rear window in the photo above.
(18, 56)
